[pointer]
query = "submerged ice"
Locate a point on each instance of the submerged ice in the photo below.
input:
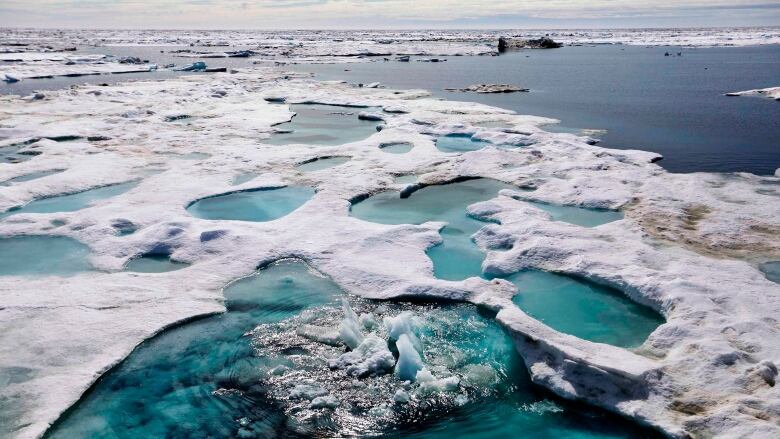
(251, 373)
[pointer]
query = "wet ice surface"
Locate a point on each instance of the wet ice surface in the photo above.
(264, 204)
(154, 263)
(405, 179)
(71, 202)
(396, 147)
(42, 255)
(30, 176)
(257, 372)
(323, 125)
(322, 163)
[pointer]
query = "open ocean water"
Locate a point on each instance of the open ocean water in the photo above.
(644, 100)
(671, 105)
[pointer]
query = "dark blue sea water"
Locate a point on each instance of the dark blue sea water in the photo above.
(645, 100)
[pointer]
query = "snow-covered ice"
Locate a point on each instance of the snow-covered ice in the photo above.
(769, 93)
(689, 245)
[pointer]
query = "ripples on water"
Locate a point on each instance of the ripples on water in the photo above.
(232, 375)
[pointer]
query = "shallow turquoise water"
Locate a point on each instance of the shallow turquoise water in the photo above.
(583, 309)
(165, 387)
(771, 270)
(252, 205)
(459, 143)
(580, 216)
(566, 304)
(71, 202)
(29, 177)
(396, 147)
(214, 378)
(458, 257)
(405, 179)
(154, 264)
(323, 125)
(322, 163)
(42, 255)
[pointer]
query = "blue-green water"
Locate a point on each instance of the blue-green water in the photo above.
(580, 216)
(30, 177)
(166, 387)
(459, 143)
(670, 105)
(154, 263)
(771, 270)
(457, 257)
(323, 125)
(566, 304)
(71, 202)
(42, 255)
(252, 205)
(396, 147)
(583, 309)
(322, 163)
(231, 376)
(14, 154)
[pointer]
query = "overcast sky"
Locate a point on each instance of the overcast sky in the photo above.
(374, 14)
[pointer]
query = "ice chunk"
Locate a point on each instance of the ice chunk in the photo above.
(307, 391)
(480, 375)
(371, 357)
(324, 402)
(8, 78)
(365, 115)
(368, 321)
(430, 384)
(409, 361)
(320, 334)
(402, 324)
(401, 397)
(349, 329)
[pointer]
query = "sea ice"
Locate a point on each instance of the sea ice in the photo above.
(430, 384)
(688, 245)
(371, 357)
(349, 329)
(409, 361)
(307, 391)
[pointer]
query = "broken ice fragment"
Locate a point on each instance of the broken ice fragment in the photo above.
(307, 391)
(320, 334)
(409, 361)
(324, 402)
(349, 329)
(430, 384)
(371, 357)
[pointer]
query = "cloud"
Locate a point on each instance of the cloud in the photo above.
(265, 14)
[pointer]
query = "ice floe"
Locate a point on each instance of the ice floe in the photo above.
(689, 245)
(769, 93)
